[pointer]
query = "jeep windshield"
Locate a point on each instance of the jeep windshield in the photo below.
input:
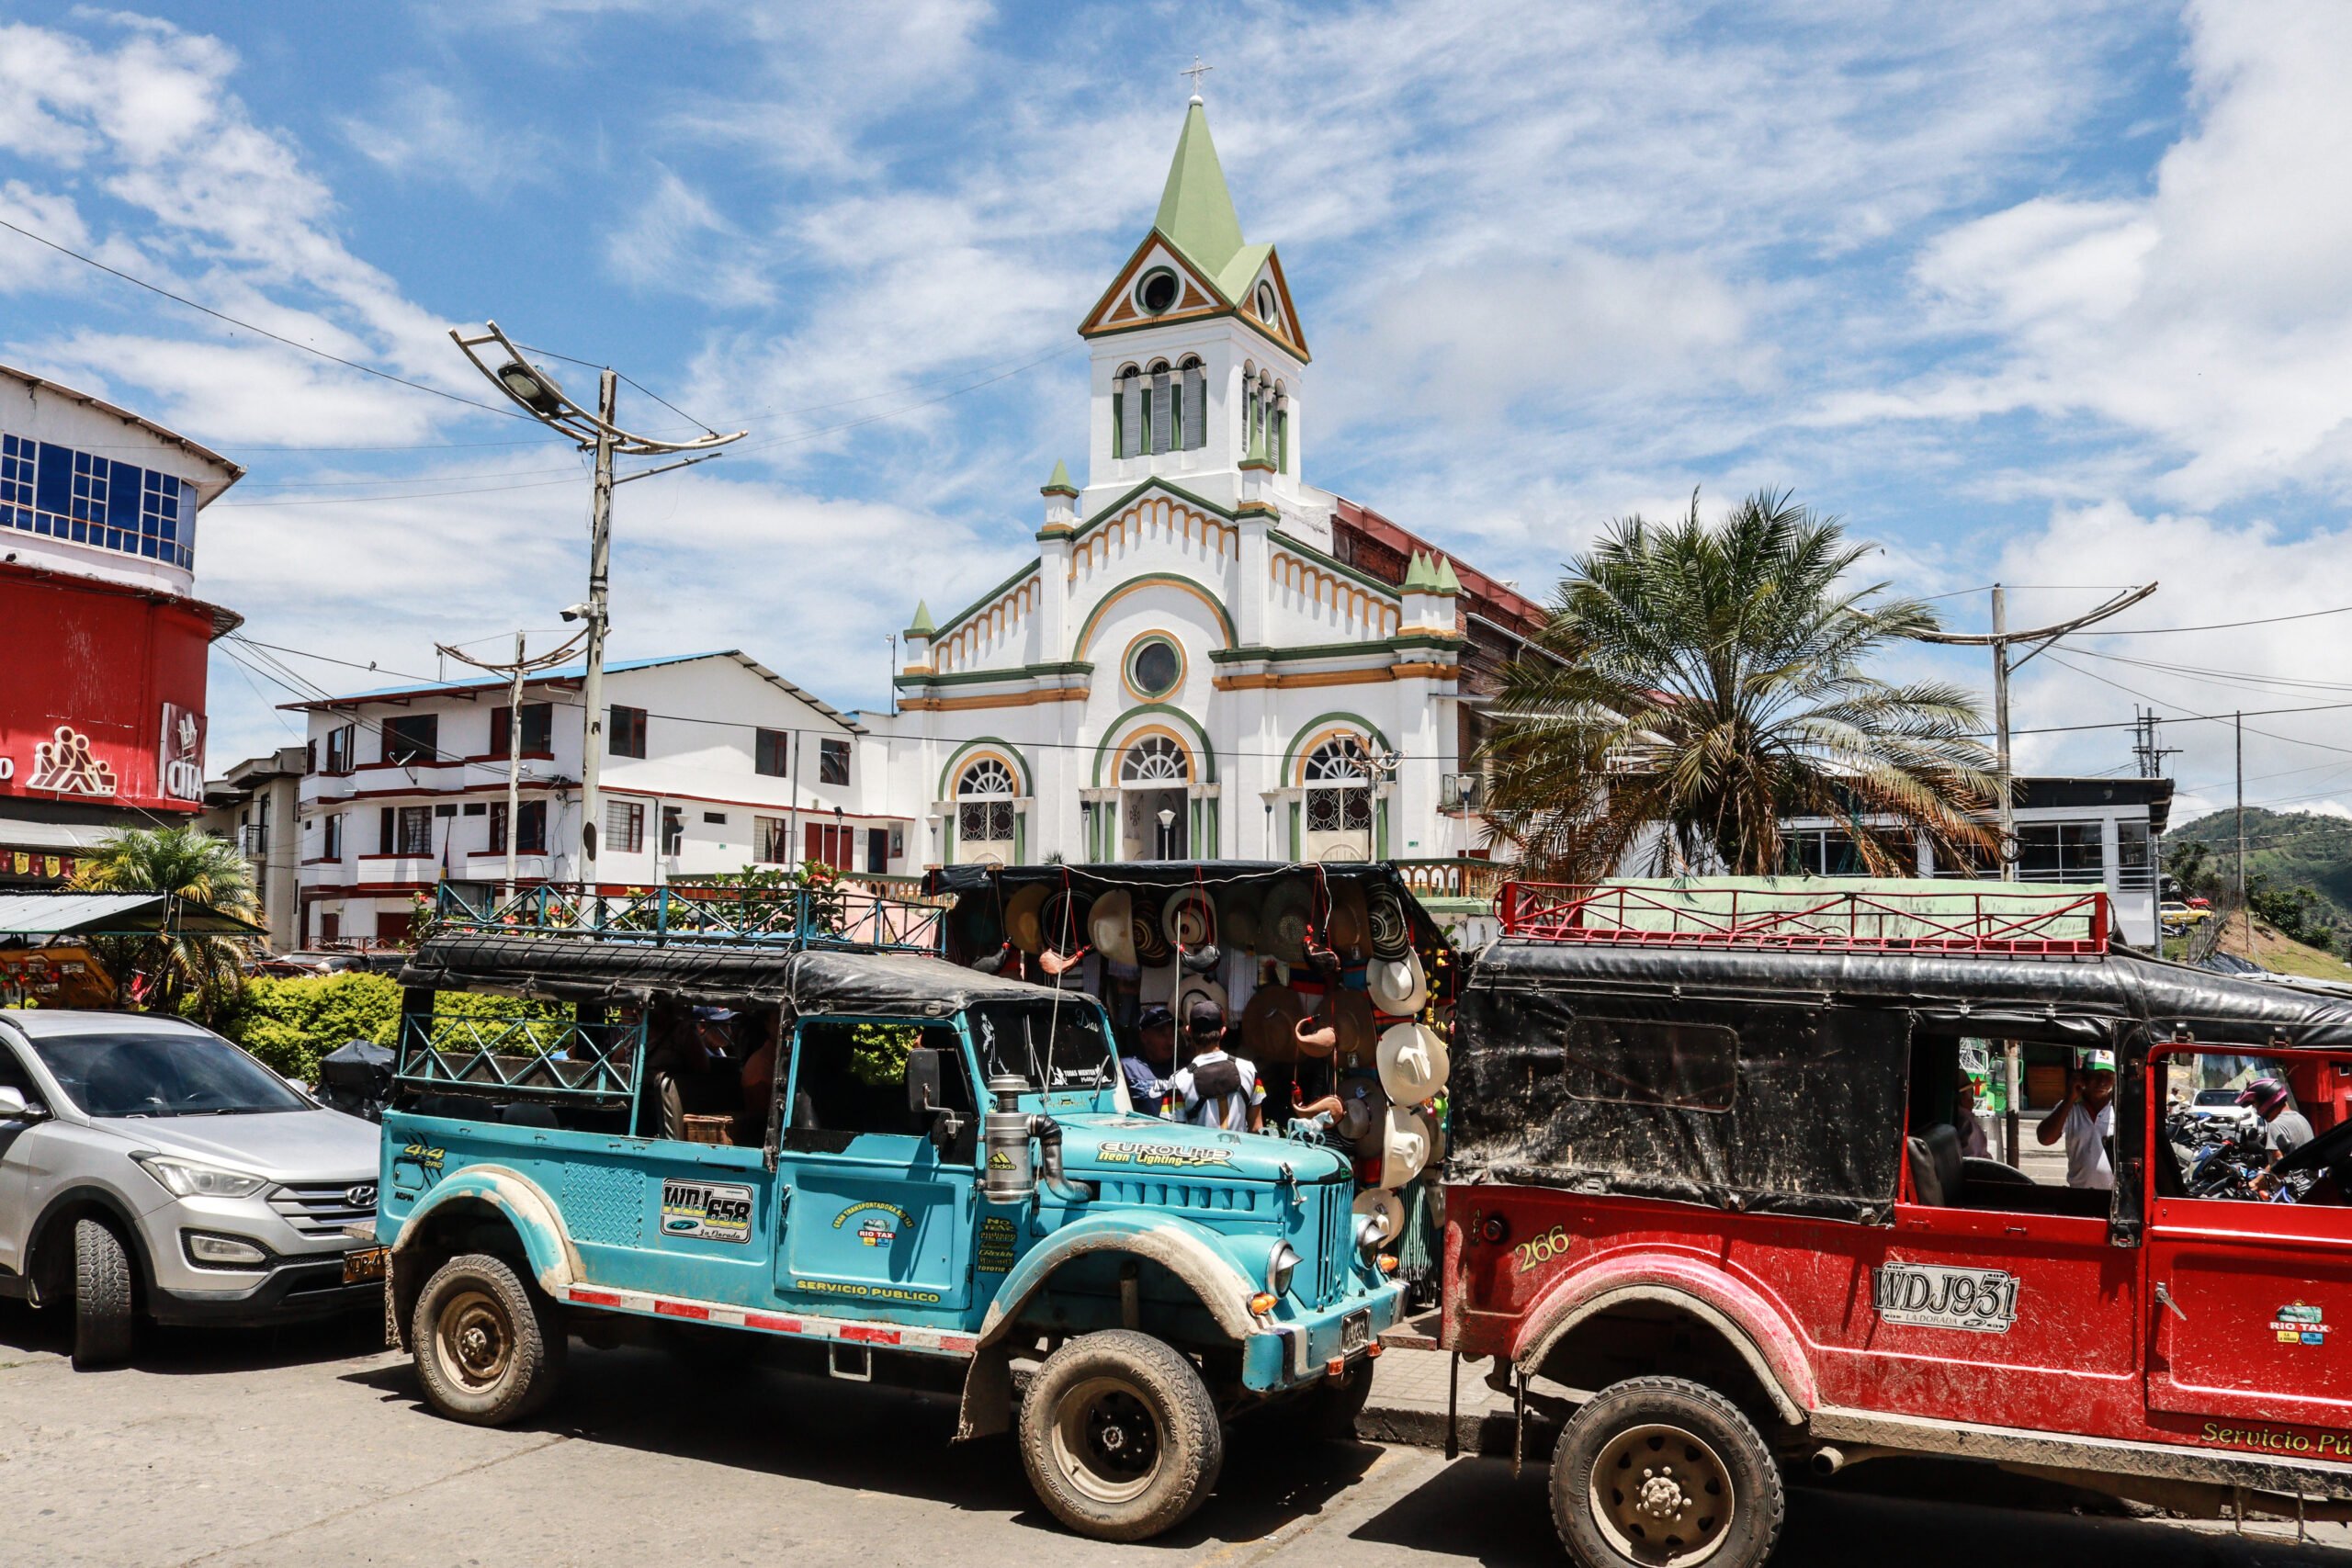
(1053, 1048)
(162, 1074)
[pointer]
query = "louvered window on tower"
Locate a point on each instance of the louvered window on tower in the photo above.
(1128, 417)
(1159, 409)
(1196, 406)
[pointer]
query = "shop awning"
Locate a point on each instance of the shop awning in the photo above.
(109, 914)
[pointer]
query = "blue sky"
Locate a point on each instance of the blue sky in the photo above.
(2046, 293)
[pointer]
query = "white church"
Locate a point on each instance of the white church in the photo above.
(1209, 656)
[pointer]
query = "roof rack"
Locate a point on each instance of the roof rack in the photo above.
(844, 914)
(2008, 921)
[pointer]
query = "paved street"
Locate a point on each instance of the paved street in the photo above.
(310, 1449)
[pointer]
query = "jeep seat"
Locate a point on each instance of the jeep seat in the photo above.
(1938, 1180)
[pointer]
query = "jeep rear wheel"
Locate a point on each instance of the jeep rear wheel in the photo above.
(1658, 1473)
(489, 1348)
(1119, 1436)
(103, 1321)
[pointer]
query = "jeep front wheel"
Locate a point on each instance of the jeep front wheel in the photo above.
(1119, 1436)
(1658, 1473)
(489, 1348)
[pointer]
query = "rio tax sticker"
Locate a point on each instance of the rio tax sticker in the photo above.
(705, 1210)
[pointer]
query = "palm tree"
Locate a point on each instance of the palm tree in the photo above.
(1706, 683)
(192, 864)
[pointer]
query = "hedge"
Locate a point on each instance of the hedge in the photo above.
(289, 1024)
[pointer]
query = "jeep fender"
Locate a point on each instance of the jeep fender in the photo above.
(554, 1263)
(1750, 1323)
(1182, 1248)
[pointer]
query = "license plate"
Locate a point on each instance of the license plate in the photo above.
(1355, 1329)
(362, 1263)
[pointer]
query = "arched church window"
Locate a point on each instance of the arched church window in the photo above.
(1126, 412)
(1339, 787)
(1193, 425)
(984, 797)
(1155, 759)
(1266, 309)
(1281, 428)
(1162, 409)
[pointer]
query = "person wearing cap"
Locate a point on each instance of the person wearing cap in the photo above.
(1973, 1144)
(1156, 1053)
(2285, 1129)
(2085, 1119)
(1217, 1090)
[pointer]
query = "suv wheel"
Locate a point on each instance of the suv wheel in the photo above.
(489, 1346)
(1119, 1436)
(102, 1297)
(1654, 1471)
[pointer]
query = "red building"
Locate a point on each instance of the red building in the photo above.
(103, 642)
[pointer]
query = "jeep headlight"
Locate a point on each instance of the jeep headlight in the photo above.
(186, 1178)
(1279, 1268)
(1372, 1230)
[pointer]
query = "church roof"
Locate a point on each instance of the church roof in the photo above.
(1195, 209)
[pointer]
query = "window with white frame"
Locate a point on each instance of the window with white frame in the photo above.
(984, 811)
(624, 827)
(1339, 787)
(1155, 759)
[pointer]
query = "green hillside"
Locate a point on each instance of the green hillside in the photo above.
(2299, 865)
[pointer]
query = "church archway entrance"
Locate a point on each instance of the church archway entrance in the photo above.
(1155, 800)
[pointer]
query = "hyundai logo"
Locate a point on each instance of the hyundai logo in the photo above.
(360, 1197)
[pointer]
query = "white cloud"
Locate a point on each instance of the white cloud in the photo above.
(424, 130)
(678, 243)
(2208, 314)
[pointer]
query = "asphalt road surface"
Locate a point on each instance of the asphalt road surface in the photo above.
(310, 1447)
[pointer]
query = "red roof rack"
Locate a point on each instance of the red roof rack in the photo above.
(1937, 919)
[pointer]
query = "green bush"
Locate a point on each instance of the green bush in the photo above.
(289, 1024)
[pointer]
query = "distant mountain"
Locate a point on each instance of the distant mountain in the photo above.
(2284, 850)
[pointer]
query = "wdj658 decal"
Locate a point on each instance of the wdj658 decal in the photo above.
(707, 1210)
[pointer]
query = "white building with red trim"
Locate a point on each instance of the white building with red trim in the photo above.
(714, 763)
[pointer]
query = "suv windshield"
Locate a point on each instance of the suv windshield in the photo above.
(2217, 1097)
(162, 1074)
(1052, 1048)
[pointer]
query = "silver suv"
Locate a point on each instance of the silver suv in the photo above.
(149, 1169)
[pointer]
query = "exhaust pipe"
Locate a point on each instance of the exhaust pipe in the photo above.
(1827, 1462)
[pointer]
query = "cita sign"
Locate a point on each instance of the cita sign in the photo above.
(179, 761)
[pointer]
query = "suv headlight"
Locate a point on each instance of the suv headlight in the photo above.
(1279, 1268)
(186, 1178)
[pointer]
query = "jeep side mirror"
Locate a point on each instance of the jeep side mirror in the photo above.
(14, 1106)
(922, 1079)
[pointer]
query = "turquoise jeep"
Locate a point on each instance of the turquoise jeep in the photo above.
(956, 1185)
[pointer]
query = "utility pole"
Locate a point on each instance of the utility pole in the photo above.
(537, 393)
(592, 688)
(523, 664)
(2237, 731)
(2000, 641)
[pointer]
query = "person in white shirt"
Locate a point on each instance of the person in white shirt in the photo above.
(2085, 1119)
(1973, 1144)
(1216, 1090)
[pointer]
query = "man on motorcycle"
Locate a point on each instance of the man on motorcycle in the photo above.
(2287, 1129)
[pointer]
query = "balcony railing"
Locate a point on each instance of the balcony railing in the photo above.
(1452, 877)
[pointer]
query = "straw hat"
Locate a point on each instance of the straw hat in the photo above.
(1398, 985)
(1062, 923)
(1387, 1206)
(1282, 923)
(1111, 927)
(1191, 989)
(1349, 918)
(1190, 919)
(1413, 1062)
(1392, 932)
(1021, 918)
(1436, 1136)
(1266, 1024)
(1150, 942)
(1237, 917)
(1405, 1149)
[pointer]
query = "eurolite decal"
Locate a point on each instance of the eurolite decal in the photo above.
(1926, 1295)
(705, 1210)
(1115, 1151)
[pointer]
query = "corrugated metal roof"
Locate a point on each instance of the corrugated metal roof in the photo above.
(85, 914)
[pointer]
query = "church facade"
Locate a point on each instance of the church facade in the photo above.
(1209, 656)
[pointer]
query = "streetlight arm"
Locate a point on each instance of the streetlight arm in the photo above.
(2121, 602)
(568, 416)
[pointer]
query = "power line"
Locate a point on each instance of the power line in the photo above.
(248, 326)
(2228, 625)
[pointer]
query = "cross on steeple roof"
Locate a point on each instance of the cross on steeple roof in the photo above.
(1196, 71)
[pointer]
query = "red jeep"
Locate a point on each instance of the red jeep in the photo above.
(1707, 1167)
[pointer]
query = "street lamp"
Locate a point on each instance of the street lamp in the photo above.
(1167, 833)
(540, 396)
